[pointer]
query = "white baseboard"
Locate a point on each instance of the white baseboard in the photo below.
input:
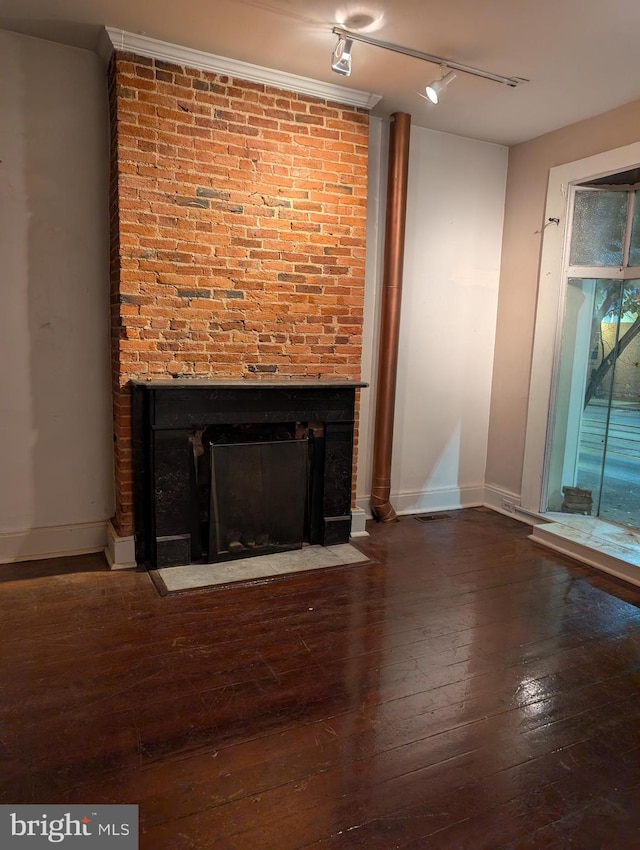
(505, 502)
(358, 522)
(52, 542)
(120, 552)
(363, 503)
(427, 501)
(443, 499)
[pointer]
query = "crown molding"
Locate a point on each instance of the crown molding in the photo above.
(114, 39)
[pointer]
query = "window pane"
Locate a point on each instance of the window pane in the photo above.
(578, 442)
(620, 482)
(634, 252)
(598, 228)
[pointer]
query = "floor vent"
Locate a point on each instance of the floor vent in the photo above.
(432, 517)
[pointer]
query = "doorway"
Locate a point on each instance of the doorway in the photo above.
(593, 452)
(565, 286)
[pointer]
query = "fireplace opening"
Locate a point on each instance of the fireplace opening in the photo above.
(258, 498)
(252, 483)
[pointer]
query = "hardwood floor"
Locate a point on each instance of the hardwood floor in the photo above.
(466, 689)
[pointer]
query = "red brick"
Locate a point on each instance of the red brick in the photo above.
(288, 232)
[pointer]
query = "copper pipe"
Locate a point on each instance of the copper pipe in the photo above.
(398, 168)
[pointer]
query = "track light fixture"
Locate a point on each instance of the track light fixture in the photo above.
(435, 89)
(341, 63)
(341, 56)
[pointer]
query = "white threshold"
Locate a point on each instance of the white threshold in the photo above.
(614, 549)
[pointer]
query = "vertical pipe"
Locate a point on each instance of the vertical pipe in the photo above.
(398, 168)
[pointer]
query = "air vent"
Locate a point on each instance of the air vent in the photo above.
(432, 517)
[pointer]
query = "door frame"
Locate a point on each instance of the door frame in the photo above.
(550, 310)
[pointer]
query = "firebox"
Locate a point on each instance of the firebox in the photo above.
(229, 469)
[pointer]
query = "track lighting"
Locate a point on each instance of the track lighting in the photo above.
(341, 57)
(341, 63)
(435, 89)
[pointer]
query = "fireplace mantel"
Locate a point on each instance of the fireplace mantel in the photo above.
(167, 412)
(248, 384)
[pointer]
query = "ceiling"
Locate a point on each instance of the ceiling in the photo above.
(580, 56)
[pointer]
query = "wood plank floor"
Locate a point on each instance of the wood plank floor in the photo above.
(465, 689)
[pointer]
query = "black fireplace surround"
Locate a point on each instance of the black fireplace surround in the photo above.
(168, 416)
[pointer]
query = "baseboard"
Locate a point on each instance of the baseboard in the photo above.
(363, 504)
(120, 552)
(505, 502)
(427, 501)
(52, 542)
(454, 498)
(358, 522)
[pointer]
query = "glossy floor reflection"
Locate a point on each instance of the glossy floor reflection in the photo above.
(465, 689)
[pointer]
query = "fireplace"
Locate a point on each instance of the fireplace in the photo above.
(238, 222)
(227, 469)
(256, 493)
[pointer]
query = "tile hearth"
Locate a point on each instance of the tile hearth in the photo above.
(264, 567)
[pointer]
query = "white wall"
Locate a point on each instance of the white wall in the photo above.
(449, 304)
(55, 429)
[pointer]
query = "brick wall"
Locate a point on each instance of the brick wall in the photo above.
(238, 234)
